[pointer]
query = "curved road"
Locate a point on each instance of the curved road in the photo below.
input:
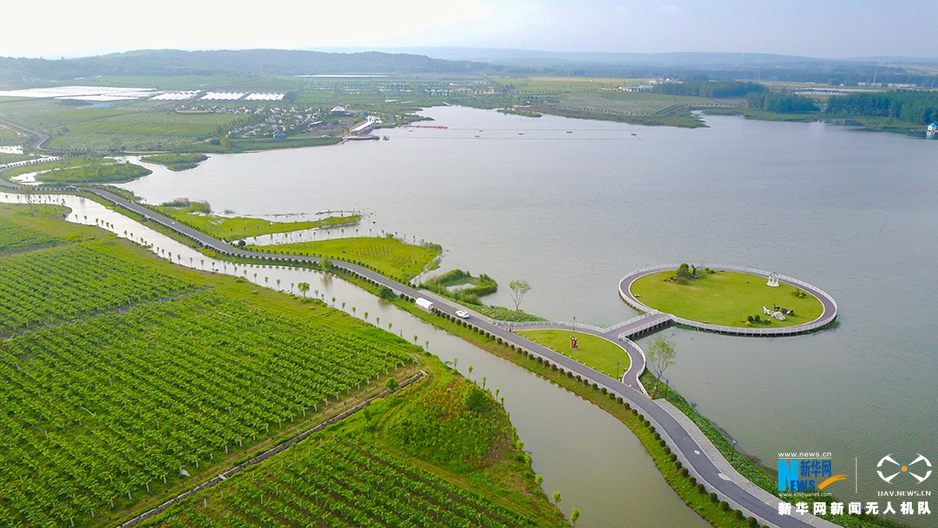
(693, 453)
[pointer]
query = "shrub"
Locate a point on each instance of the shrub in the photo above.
(713, 497)
(738, 514)
(752, 521)
(725, 506)
(684, 471)
(693, 481)
(701, 488)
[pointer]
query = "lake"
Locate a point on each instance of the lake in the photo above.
(573, 205)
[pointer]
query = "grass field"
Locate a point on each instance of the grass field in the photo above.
(82, 170)
(9, 136)
(724, 298)
(100, 414)
(593, 351)
(176, 162)
(388, 256)
(525, 85)
(233, 228)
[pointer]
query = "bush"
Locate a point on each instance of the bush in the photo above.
(713, 497)
(386, 293)
(738, 514)
(752, 521)
(693, 481)
(701, 488)
(725, 506)
(391, 384)
(684, 472)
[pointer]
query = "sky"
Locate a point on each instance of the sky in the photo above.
(814, 28)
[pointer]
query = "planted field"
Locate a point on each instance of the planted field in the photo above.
(725, 298)
(68, 282)
(591, 350)
(380, 468)
(389, 256)
(337, 484)
(100, 414)
(15, 238)
(137, 125)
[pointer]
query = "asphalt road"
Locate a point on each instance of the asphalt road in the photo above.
(678, 438)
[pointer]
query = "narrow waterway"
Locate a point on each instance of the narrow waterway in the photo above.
(573, 205)
(594, 461)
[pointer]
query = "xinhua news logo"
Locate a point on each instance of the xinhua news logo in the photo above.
(806, 472)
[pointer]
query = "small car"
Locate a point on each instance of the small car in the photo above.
(462, 314)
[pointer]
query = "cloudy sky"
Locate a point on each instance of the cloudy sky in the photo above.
(816, 28)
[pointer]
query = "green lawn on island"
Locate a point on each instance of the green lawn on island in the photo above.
(389, 256)
(82, 170)
(593, 351)
(724, 298)
(233, 228)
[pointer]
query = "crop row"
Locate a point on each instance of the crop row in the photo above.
(67, 282)
(15, 238)
(338, 485)
(97, 413)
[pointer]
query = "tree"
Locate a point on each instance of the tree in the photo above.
(660, 356)
(303, 287)
(519, 287)
(557, 498)
(574, 516)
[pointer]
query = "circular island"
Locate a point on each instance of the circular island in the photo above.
(729, 300)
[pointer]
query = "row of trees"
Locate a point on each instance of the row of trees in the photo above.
(906, 105)
(716, 89)
(781, 103)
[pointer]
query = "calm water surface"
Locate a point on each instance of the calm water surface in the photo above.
(573, 205)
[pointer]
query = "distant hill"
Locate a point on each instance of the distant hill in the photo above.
(748, 66)
(262, 61)
(454, 60)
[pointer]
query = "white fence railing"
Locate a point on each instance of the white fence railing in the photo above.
(825, 318)
(535, 324)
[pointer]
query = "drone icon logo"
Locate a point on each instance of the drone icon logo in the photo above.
(903, 468)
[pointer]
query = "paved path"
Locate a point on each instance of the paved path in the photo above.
(691, 448)
(40, 137)
(827, 316)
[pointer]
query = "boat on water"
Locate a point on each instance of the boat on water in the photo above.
(932, 130)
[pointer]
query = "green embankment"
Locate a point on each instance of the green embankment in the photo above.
(201, 382)
(591, 350)
(696, 495)
(388, 256)
(194, 214)
(82, 170)
(461, 286)
(725, 298)
(176, 162)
